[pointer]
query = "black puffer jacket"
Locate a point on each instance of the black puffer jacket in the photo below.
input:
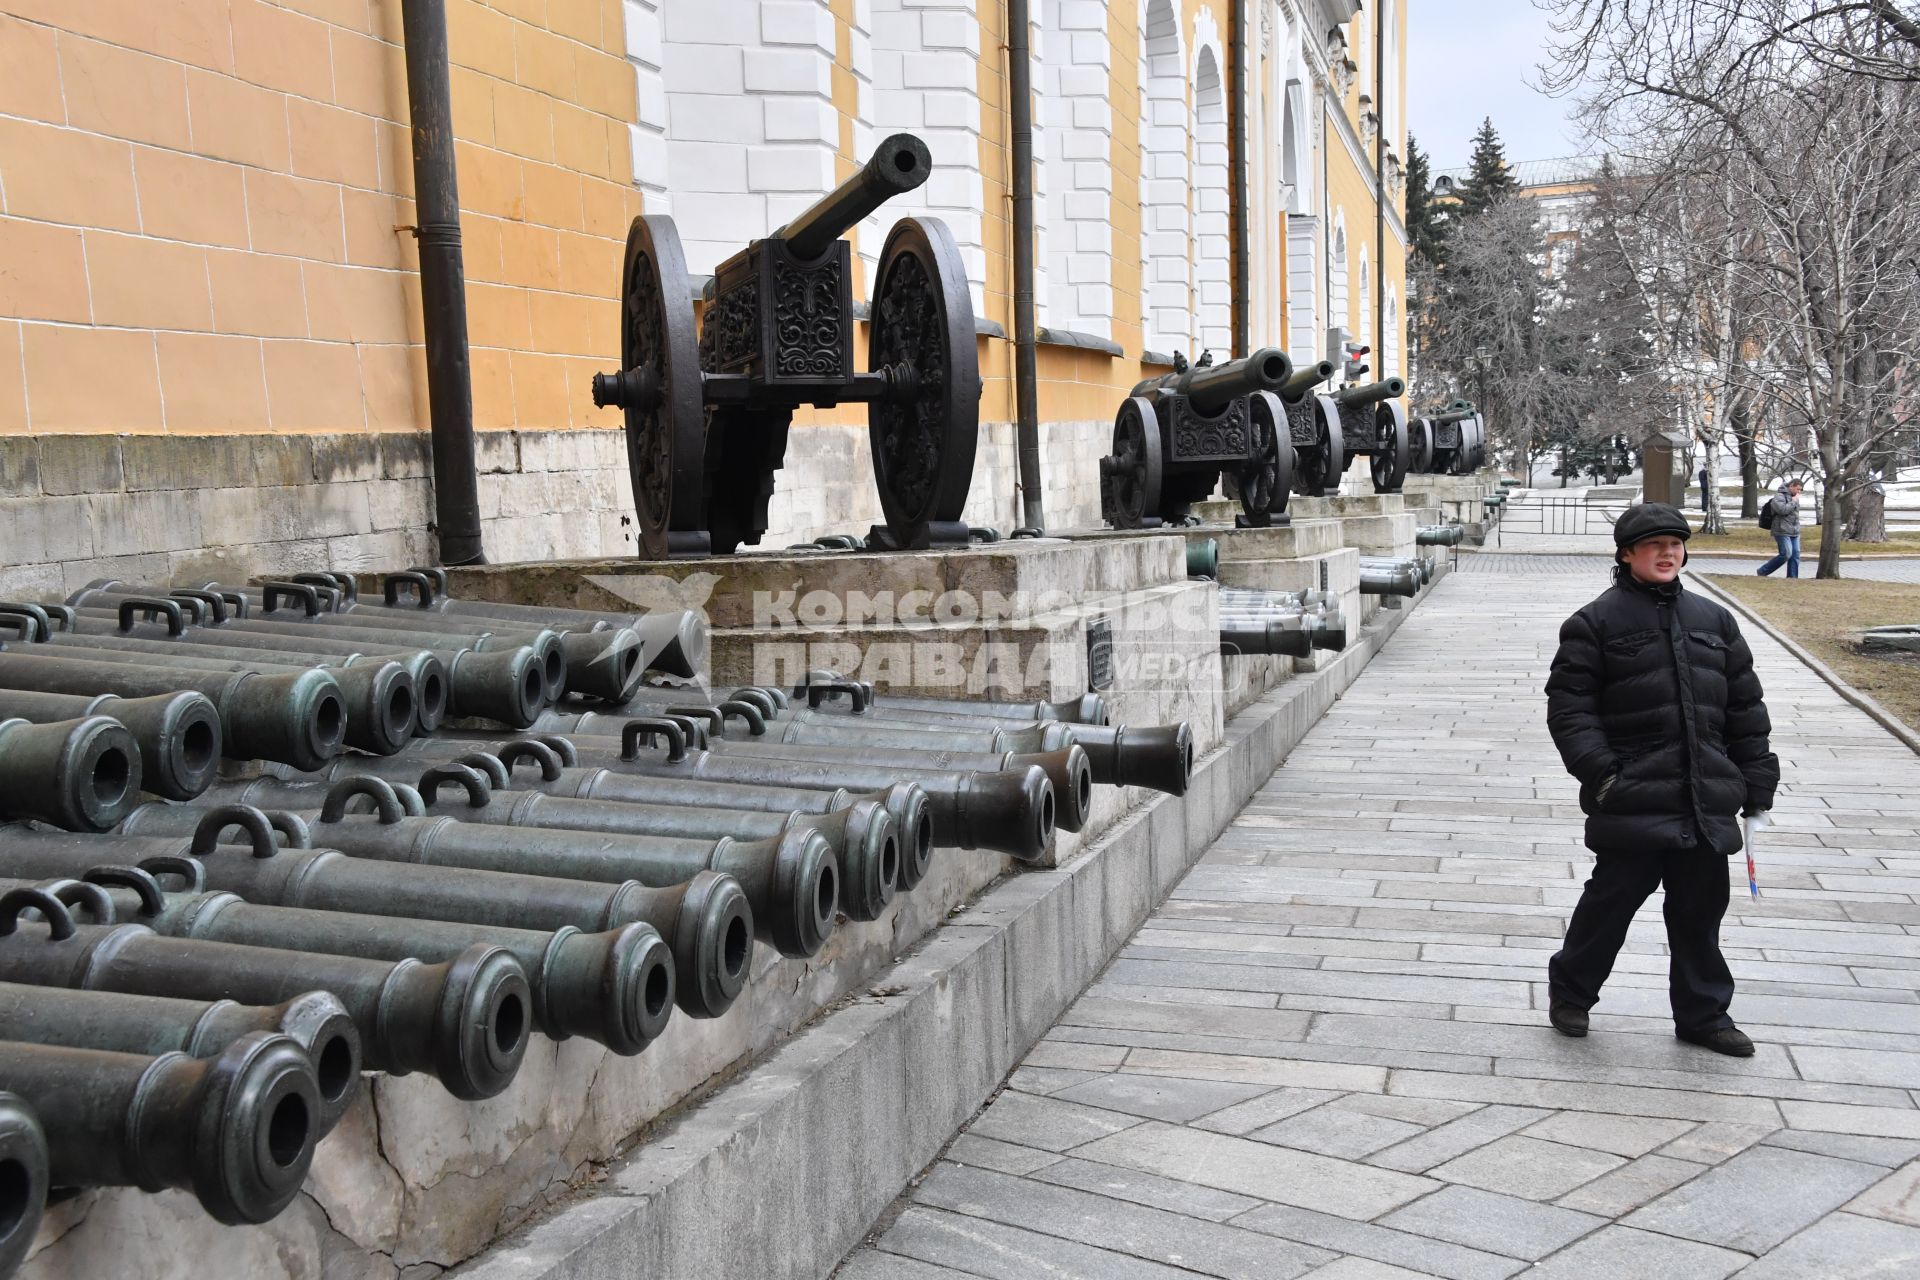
(1654, 688)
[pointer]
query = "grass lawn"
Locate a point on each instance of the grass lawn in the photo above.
(1745, 535)
(1821, 615)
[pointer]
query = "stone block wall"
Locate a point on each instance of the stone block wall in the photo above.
(172, 508)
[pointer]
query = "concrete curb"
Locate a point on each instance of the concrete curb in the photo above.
(1885, 718)
(779, 1174)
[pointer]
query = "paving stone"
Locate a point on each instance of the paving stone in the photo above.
(1363, 1269)
(1621, 1253)
(1146, 1188)
(1251, 1070)
(991, 1153)
(1425, 1112)
(1494, 1223)
(1887, 1152)
(1757, 1199)
(1622, 1135)
(1859, 1066)
(1334, 1132)
(1045, 1123)
(1843, 1246)
(1895, 1197)
(1879, 1122)
(1210, 1248)
(1245, 1117)
(1215, 1020)
(1255, 1169)
(874, 1265)
(1469, 1133)
(1419, 1254)
(1047, 1081)
(998, 1252)
(1160, 1097)
(1075, 1057)
(1712, 1143)
(1633, 1184)
(1527, 1167)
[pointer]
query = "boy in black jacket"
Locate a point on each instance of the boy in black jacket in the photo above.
(1655, 707)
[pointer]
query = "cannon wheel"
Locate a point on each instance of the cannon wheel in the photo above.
(1389, 460)
(1420, 441)
(1328, 460)
(1130, 477)
(1465, 457)
(666, 439)
(1265, 484)
(923, 438)
(1479, 457)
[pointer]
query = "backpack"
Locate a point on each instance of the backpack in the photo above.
(1766, 515)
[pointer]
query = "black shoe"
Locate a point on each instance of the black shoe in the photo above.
(1569, 1020)
(1731, 1041)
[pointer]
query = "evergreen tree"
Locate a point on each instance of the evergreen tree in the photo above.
(1488, 177)
(1426, 221)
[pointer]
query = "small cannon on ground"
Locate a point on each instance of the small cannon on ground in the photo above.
(1278, 623)
(707, 414)
(1177, 434)
(1451, 442)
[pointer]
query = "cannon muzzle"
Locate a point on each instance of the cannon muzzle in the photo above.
(1158, 757)
(466, 1020)
(1212, 388)
(23, 1180)
(178, 734)
(899, 164)
(1371, 392)
(1439, 535)
(154, 1025)
(1305, 379)
(1390, 578)
(237, 1130)
(83, 774)
(1275, 637)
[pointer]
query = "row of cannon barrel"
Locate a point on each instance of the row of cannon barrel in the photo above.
(260, 839)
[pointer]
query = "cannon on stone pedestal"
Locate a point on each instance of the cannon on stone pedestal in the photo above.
(1374, 423)
(1451, 442)
(1177, 434)
(707, 413)
(1319, 448)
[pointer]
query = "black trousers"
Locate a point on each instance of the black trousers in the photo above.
(1698, 981)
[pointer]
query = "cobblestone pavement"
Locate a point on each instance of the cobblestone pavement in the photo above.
(1326, 1055)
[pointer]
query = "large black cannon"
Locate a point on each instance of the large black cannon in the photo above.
(1449, 442)
(1178, 434)
(707, 415)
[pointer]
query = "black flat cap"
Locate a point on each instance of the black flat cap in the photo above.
(1650, 520)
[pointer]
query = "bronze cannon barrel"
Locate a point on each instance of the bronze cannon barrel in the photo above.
(899, 164)
(1372, 392)
(1305, 379)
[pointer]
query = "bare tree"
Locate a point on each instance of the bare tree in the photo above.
(1794, 128)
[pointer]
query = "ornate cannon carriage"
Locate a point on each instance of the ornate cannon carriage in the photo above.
(1176, 435)
(1450, 442)
(707, 413)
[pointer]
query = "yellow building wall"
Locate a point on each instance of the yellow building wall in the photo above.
(201, 225)
(1350, 191)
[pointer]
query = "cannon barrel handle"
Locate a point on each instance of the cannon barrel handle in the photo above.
(899, 164)
(153, 609)
(541, 753)
(192, 872)
(1211, 389)
(14, 901)
(258, 827)
(647, 728)
(153, 899)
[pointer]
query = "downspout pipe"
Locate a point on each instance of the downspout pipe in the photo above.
(1242, 232)
(1380, 196)
(443, 294)
(1026, 359)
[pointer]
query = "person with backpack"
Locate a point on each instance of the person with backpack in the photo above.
(1781, 518)
(1656, 710)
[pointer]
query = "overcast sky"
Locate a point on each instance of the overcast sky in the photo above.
(1470, 59)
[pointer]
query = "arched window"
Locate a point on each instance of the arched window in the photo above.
(1076, 150)
(1339, 310)
(1166, 282)
(1390, 340)
(1363, 321)
(1213, 246)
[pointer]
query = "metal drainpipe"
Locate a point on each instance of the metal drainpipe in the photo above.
(1380, 193)
(1242, 237)
(443, 296)
(1026, 368)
